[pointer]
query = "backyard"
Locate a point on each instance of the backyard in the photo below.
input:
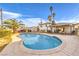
(23, 35)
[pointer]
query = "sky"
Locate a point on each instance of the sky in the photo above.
(32, 13)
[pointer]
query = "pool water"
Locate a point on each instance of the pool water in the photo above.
(39, 41)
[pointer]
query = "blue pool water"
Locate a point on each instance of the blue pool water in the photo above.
(39, 41)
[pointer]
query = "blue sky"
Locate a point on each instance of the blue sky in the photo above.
(32, 14)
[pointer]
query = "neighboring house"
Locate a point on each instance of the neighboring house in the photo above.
(22, 28)
(33, 29)
(45, 27)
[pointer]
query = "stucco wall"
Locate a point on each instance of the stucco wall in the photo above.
(68, 29)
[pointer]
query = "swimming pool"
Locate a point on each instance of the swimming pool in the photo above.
(39, 41)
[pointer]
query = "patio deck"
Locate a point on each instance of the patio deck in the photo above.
(70, 47)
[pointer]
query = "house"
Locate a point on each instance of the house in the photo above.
(63, 28)
(57, 27)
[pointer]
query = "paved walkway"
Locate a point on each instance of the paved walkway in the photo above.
(71, 47)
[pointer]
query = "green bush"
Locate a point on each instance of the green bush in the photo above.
(4, 33)
(5, 38)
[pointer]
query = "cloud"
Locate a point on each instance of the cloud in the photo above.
(74, 19)
(27, 19)
(33, 21)
(8, 15)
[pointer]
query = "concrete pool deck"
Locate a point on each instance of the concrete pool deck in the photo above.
(70, 47)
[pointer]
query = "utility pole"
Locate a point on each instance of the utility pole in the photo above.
(1, 16)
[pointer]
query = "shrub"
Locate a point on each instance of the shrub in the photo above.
(5, 37)
(4, 33)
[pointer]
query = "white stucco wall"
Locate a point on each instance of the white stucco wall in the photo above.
(43, 28)
(53, 29)
(78, 32)
(67, 30)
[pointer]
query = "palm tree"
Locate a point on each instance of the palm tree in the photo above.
(49, 18)
(53, 22)
(12, 24)
(51, 9)
(54, 15)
